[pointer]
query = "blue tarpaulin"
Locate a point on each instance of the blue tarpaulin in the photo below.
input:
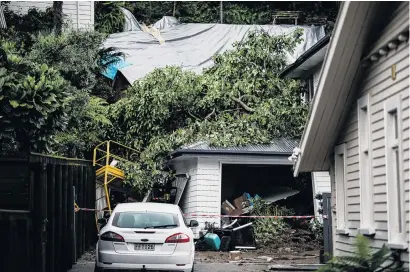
(112, 69)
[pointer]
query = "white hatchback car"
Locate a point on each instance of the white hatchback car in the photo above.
(146, 237)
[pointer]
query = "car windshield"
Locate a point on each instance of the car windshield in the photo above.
(145, 220)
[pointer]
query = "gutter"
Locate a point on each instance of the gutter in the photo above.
(180, 152)
(305, 56)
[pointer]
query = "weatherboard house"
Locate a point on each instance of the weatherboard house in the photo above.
(358, 126)
(207, 176)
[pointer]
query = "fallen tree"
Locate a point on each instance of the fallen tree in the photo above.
(239, 101)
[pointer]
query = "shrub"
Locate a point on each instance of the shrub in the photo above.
(365, 260)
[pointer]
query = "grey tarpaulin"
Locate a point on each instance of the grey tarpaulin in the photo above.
(191, 46)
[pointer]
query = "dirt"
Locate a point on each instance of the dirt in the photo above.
(260, 256)
(293, 246)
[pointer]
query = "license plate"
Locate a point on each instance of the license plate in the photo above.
(144, 247)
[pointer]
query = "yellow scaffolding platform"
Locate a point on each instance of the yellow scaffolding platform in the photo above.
(105, 161)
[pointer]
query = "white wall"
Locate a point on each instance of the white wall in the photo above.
(320, 184)
(380, 86)
(80, 14)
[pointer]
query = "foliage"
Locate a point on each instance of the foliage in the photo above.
(234, 12)
(316, 227)
(20, 27)
(364, 259)
(78, 56)
(79, 59)
(267, 229)
(240, 100)
(33, 100)
(86, 129)
(108, 17)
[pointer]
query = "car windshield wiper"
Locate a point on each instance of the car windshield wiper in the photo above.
(161, 226)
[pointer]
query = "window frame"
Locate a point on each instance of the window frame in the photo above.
(393, 144)
(365, 165)
(341, 190)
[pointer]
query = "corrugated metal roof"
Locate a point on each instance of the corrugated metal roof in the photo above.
(284, 146)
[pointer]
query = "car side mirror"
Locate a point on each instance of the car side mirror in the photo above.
(193, 224)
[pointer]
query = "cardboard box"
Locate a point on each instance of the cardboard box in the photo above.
(227, 207)
(242, 201)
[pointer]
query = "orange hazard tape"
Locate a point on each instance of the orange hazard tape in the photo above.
(258, 216)
(226, 216)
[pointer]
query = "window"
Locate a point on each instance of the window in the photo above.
(394, 175)
(145, 220)
(340, 179)
(366, 185)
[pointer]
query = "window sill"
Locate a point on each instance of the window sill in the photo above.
(342, 231)
(367, 231)
(401, 246)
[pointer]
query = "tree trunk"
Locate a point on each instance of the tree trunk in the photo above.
(58, 16)
(175, 9)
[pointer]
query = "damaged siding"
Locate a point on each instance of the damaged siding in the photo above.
(380, 86)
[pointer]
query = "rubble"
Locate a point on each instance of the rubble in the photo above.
(234, 255)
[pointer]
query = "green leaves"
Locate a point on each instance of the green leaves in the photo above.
(14, 103)
(239, 101)
(109, 17)
(33, 100)
(364, 259)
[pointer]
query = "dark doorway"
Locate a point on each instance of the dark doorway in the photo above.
(265, 181)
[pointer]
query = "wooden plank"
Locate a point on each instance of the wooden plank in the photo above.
(85, 204)
(51, 188)
(70, 218)
(75, 223)
(65, 243)
(80, 214)
(59, 218)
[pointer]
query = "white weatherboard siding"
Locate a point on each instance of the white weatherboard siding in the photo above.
(316, 76)
(202, 193)
(320, 184)
(80, 15)
(377, 82)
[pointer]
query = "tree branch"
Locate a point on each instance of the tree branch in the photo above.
(246, 107)
(209, 115)
(193, 116)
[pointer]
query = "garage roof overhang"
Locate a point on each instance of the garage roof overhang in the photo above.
(339, 76)
(310, 59)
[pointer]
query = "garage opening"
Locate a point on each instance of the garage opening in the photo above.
(271, 182)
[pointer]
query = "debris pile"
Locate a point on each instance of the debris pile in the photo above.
(261, 235)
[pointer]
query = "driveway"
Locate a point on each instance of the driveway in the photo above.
(206, 267)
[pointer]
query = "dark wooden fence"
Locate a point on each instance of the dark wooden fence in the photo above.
(39, 229)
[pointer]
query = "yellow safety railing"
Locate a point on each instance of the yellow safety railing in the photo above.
(106, 172)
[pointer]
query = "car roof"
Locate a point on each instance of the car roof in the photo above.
(146, 206)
